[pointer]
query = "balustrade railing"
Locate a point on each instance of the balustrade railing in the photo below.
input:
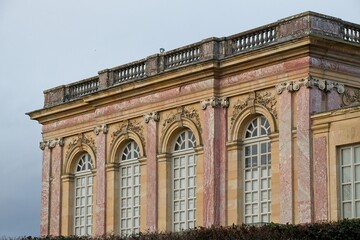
(253, 39)
(82, 88)
(212, 48)
(130, 72)
(351, 33)
(182, 57)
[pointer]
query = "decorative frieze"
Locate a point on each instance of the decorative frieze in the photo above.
(153, 115)
(215, 102)
(264, 99)
(351, 96)
(181, 113)
(78, 141)
(309, 81)
(51, 143)
(101, 128)
(128, 126)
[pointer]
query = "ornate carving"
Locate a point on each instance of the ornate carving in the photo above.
(153, 115)
(215, 102)
(51, 143)
(181, 113)
(325, 85)
(101, 128)
(351, 96)
(78, 141)
(128, 126)
(264, 99)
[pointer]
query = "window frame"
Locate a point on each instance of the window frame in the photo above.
(250, 142)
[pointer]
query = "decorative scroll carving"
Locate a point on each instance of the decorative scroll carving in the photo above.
(351, 96)
(181, 113)
(51, 143)
(153, 115)
(128, 126)
(215, 102)
(265, 99)
(101, 128)
(78, 141)
(325, 85)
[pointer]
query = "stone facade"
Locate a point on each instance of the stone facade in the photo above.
(301, 73)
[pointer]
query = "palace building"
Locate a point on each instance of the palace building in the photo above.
(261, 126)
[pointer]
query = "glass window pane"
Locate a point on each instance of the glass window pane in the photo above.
(357, 155)
(345, 156)
(347, 210)
(346, 174)
(346, 192)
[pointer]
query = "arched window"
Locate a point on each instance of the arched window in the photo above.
(257, 172)
(83, 196)
(184, 182)
(129, 189)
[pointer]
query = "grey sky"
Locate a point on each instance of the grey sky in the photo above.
(46, 43)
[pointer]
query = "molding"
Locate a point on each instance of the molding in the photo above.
(351, 97)
(52, 143)
(215, 102)
(153, 115)
(181, 113)
(101, 128)
(308, 82)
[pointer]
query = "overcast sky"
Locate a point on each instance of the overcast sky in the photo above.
(46, 43)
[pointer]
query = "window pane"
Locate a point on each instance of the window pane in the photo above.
(347, 210)
(346, 192)
(346, 174)
(357, 155)
(345, 156)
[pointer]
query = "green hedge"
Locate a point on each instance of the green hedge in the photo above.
(342, 230)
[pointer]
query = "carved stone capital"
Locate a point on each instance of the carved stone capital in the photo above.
(324, 85)
(153, 115)
(51, 143)
(215, 102)
(42, 145)
(54, 142)
(101, 128)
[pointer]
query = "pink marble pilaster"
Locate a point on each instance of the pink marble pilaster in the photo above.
(55, 181)
(212, 166)
(100, 195)
(151, 170)
(45, 193)
(286, 158)
(223, 164)
(304, 174)
(320, 179)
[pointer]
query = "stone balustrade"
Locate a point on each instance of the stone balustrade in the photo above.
(308, 23)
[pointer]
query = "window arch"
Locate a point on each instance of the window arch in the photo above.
(83, 196)
(257, 171)
(184, 182)
(129, 189)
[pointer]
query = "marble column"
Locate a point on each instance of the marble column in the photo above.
(286, 158)
(320, 179)
(56, 147)
(45, 190)
(214, 161)
(100, 196)
(151, 169)
(304, 173)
